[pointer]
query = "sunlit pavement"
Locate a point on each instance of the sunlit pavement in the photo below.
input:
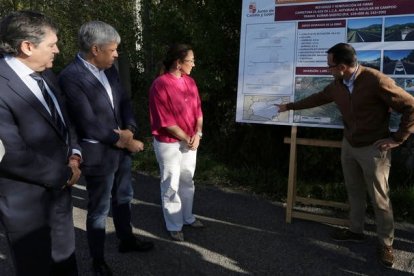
(244, 235)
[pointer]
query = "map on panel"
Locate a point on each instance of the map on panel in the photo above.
(325, 114)
(283, 57)
(262, 108)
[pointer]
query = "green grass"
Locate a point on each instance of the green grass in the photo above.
(325, 191)
(145, 160)
(402, 200)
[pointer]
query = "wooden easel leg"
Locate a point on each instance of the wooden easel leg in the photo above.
(292, 176)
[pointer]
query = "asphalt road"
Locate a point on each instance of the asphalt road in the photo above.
(245, 235)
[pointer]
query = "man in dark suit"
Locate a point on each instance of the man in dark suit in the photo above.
(41, 160)
(102, 115)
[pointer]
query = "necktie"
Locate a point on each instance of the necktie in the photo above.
(49, 101)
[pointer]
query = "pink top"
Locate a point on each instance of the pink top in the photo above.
(173, 101)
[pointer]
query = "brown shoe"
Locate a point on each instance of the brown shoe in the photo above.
(386, 255)
(134, 244)
(177, 236)
(197, 224)
(344, 234)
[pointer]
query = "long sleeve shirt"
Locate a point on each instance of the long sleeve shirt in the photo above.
(366, 111)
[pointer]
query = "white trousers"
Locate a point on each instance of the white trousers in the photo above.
(177, 165)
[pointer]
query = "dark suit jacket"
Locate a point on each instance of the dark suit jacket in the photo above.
(33, 170)
(36, 152)
(93, 116)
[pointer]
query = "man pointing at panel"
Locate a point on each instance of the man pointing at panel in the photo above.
(364, 97)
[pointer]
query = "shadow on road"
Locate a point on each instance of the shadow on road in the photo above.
(244, 235)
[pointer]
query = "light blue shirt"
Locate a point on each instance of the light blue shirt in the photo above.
(350, 83)
(100, 75)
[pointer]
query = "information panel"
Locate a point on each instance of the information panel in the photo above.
(283, 53)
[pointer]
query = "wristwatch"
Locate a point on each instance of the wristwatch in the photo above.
(200, 134)
(132, 128)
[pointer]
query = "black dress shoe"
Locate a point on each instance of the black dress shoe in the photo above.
(100, 268)
(67, 267)
(135, 245)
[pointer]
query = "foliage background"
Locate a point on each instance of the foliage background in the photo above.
(249, 156)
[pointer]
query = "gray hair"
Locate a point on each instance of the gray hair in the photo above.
(96, 33)
(23, 26)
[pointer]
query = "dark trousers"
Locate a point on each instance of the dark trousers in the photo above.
(104, 190)
(67, 267)
(39, 229)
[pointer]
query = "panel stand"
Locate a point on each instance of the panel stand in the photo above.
(292, 198)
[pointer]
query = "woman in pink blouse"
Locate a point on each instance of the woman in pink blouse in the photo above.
(176, 124)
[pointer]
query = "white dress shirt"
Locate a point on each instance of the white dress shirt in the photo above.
(23, 71)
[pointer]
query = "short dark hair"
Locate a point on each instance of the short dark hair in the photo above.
(174, 52)
(20, 26)
(343, 53)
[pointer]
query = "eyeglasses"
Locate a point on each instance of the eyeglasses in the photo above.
(332, 66)
(190, 60)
